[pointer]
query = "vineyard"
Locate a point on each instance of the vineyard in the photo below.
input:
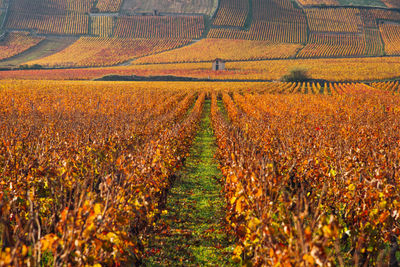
(374, 45)
(319, 2)
(48, 7)
(101, 51)
(184, 27)
(15, 43)
(308, 170)
(279, 28)
(391, 3)
(206, 7)
(56, 17)
(109, 5)
(210, 49)
(392, 87)
(102, 26)
(71, 24)
(364, 3)
(232, 13)
(390, 15)
(273, 20)
(123, 142)
(334, 69)
(334, 20)
(284, 164)
(333, 45)
(391, 37)
(91, 187)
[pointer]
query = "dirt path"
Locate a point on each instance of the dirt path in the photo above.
(192, 231)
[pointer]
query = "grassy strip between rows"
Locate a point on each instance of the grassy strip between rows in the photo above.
(191, 230)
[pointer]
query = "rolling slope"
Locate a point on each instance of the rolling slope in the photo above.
(312, 29)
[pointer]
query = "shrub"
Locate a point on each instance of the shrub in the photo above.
(296, 75)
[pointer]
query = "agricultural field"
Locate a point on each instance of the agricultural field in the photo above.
(333, 45)
(206, 7)
(107, 204)
(210, 49)
(334, 31)
(185, 27)
(56, 17)
(56, 7)
(93, 186)
(334, 20)
(68, 24)
(334, 69)
(279, 180)
(391, 37)
(390, 15)
(319, 2)
(272, 20)
(232, 13)
(102, 51)
(108, 5)
(124, 142)
(364, 3)
(15, 43)
(102, 26)
(49, 46)
(391, 3)
(373, 3)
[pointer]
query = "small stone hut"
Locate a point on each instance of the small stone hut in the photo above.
(218, 64)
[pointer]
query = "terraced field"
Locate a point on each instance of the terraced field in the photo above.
(207, 7)
(228, 49)
(369, 3)
(106, 51)
(278, 29)
(373, 3)
(47, 47)
(16, 43)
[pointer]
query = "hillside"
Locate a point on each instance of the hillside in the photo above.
(206, 7)
(200, 133)
(113, 32)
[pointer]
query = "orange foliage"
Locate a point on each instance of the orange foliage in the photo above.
(382, 14)
(391, 3)
(304, 173)
(183, 27)
(308, 179)
(99, 51)
(333, 45)
(232, 13)
(331, 69)
(392, 87)
(93, 167)
(102, 26)
(319, 2)
(50, 16)
(334, 19)
(273, 20)
(391, 37)
(15, 43)
(109, 5)
(228, 49)
(73, 23)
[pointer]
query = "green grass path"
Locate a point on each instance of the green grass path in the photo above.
(192, 232)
